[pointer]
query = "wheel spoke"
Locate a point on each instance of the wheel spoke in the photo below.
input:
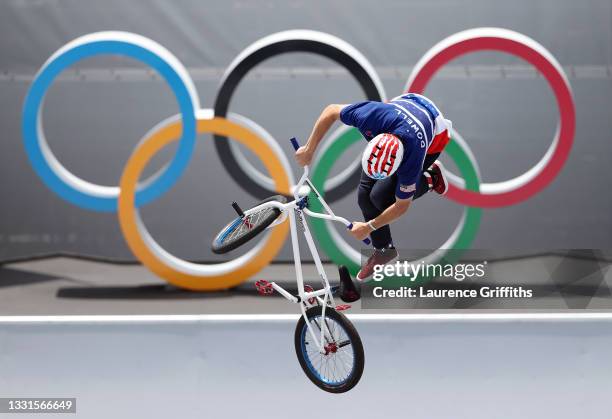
(338, 364)
(247, 224)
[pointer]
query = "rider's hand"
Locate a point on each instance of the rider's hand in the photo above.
(303, 156)
(360, 230)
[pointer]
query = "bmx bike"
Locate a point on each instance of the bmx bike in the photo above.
(327, 344)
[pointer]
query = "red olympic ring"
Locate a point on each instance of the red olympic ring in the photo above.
(496, 39)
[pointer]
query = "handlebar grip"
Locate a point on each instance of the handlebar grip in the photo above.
(294, 143)
(366, 240)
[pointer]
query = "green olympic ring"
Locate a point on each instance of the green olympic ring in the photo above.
(341, 253)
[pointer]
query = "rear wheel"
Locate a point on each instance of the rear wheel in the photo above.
(339, 367)
(242, 229)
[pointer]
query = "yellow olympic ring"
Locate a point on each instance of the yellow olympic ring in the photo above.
(177, 271)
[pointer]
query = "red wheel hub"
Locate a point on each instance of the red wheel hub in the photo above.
(331, 348)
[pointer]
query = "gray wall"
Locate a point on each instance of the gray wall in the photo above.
(94, 119)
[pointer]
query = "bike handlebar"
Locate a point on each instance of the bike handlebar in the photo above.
(366, 240)
(296, 146)
(294, 143)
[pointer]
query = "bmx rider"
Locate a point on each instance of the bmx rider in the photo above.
(400, 162)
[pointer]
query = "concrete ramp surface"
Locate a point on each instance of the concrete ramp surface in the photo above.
(228, 366)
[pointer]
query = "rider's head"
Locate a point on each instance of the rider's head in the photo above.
(382, 156)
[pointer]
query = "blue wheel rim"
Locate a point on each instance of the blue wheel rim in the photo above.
(228, 231)
(312, 368)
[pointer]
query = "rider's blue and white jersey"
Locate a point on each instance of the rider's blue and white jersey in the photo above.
(414, 119)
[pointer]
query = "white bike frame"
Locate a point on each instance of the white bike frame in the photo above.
(293, 209)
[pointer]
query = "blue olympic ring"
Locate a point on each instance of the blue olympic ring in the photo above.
(109, 43)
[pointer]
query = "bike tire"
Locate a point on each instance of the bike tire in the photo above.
(238, 232)
(316, 375)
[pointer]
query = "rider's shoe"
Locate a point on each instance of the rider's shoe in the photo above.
(349, 291)
(379, 257)
(439, 181)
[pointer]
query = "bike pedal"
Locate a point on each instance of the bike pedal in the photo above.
(264, 287)
(343, 307)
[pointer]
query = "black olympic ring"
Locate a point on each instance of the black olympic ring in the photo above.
(277, 44)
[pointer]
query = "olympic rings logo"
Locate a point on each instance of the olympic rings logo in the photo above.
(131, 194)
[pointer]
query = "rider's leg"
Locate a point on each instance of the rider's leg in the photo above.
(376, 195)
(366, 184)
(373, 197)
(424, 184)
(383, 196)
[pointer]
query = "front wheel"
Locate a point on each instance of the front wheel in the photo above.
(339, 366)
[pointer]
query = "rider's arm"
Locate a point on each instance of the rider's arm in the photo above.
(362, 230)
(330, 114)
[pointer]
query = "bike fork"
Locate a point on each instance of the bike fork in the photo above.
(299, 275)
